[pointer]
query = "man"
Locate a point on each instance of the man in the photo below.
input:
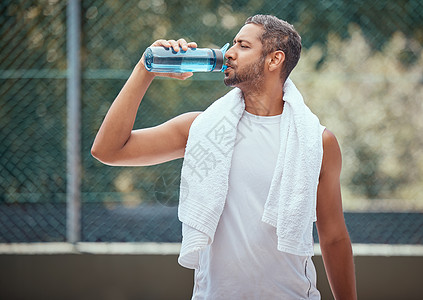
(242, 258)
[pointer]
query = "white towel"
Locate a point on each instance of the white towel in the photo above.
(291, 203)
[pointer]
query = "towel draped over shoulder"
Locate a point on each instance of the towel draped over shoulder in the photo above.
(291, 203)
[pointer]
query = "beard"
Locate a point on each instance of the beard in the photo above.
(252, 74)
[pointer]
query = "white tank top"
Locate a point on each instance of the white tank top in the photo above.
(243, 261)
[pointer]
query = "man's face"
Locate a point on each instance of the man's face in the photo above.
(245, 60)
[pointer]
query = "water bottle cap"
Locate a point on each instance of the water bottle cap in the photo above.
(219, 60)
(224, 48)
(220, 54)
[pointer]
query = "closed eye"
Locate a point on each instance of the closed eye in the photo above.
(242, 43)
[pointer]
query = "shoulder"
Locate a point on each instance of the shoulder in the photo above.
(329, 139)
(332, 158)
(188, 117)
(184, 121)
(177, 126)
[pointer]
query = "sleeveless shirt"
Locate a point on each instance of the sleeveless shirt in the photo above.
(243, 261)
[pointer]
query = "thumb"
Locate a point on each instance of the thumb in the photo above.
(181, 76)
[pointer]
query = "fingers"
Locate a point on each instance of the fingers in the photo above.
(161, 43)
(176, 45)
(184, 45)
(192, 45)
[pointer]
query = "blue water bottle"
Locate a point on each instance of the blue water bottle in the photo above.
(166, 60)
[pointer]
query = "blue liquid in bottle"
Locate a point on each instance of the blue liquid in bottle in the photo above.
(166, 60)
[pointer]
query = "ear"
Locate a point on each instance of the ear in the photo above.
(276, 60)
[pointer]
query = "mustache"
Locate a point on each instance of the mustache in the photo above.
(229, 64)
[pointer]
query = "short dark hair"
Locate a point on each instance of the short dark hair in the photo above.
(279, 35)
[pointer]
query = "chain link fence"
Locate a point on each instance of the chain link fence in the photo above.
(360, 71)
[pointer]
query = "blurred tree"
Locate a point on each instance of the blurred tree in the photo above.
(373, 103)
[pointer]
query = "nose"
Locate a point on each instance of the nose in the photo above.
(230, 53)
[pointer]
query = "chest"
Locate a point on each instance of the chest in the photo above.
(256, 151)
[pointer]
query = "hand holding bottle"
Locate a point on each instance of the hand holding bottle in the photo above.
(159, 59)
(177, 46)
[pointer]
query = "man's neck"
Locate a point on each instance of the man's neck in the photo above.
(267, 101)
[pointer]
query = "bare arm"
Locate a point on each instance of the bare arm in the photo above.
(333, 236)
(117, 144)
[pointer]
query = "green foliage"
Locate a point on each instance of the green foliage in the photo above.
(373, 103)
